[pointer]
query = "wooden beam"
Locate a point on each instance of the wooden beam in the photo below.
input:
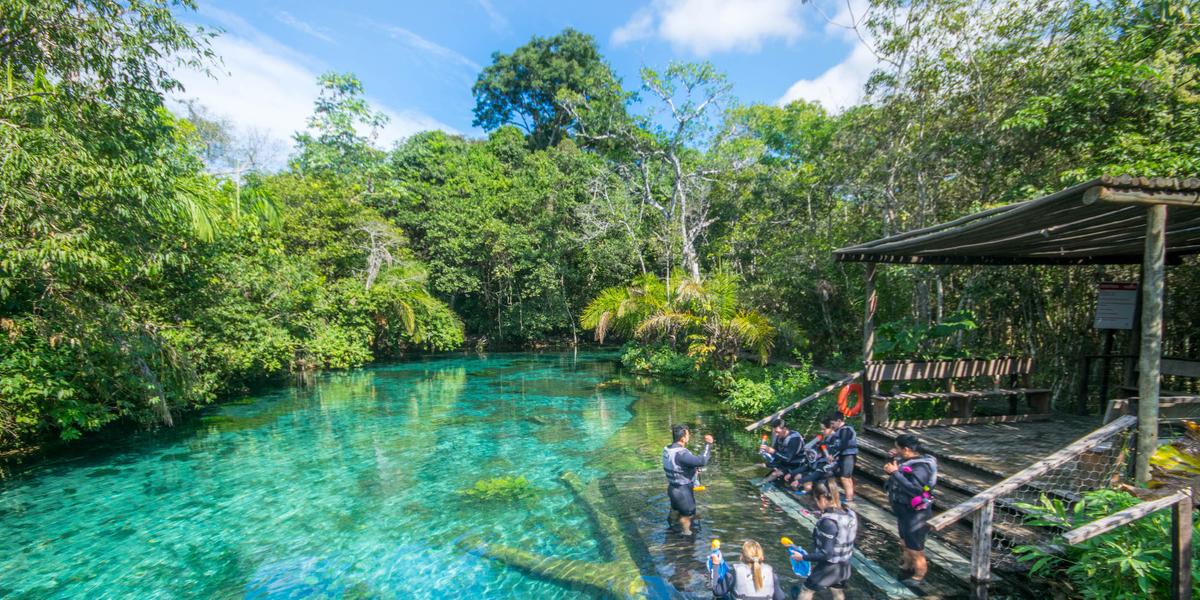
(1032, 472)
(1144, 198)
(1117, 519)
(910, 370)
(981, 544)
(1181, 549)
(1150, 357)
(793, 406)
(871, 305)
(965, 421)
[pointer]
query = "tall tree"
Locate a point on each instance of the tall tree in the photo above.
(523, 88)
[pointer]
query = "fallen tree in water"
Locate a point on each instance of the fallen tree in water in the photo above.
(618, 577)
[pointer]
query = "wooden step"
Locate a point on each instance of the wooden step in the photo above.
(867, 568)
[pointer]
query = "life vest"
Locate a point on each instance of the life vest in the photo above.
(676, 473)
(744, 583)
(925, 499)
(843, 541)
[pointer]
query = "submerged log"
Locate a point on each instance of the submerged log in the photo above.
(618, 577)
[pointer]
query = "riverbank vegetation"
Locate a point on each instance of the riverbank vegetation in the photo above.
(152, 261)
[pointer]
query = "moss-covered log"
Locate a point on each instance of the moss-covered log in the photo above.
(618, 577)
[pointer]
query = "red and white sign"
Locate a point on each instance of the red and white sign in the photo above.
(1116, 306)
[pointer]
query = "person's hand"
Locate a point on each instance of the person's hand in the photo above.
(890, 467)
(770, 451)
(708, 439)
(797, 555)
(716, 558)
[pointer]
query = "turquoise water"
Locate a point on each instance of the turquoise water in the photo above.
(350, 487)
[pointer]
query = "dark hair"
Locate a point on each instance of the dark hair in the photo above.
(838, 416)
(778, 423)
(909, 441)
(828, 420)
(822, 489)
(678, 431)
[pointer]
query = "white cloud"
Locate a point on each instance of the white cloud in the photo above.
(263, 85)
(842, 85)
(707, 26)
(499, 21)
(427, 47)
(304, 27)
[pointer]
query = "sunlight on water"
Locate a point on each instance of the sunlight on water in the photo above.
(352, 488)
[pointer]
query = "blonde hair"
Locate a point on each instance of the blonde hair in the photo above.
(752, 554)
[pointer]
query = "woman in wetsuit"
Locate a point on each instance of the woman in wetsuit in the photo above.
(912, 475)
(833, 544)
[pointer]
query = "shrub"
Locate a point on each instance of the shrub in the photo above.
(1130, 562)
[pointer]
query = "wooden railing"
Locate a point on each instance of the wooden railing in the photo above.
(983, 504)
(793, 406)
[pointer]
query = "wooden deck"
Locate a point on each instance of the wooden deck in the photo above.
(1001, 448)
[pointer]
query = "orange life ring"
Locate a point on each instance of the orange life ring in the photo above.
(844, 400)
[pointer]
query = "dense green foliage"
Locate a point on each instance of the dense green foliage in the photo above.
(135, 284)
(1129, 562)
(132, 284)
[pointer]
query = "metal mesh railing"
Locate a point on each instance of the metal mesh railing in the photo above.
(1005, 515)
(1103, 466)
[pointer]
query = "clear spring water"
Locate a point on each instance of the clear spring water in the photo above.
(351, 488)
(348, 488)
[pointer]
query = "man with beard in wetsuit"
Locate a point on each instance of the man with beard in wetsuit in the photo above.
(681, 466)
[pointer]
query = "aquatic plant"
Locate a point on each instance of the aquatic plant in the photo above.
(500, 489)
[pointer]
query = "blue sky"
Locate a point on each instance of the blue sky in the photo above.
(418, 60)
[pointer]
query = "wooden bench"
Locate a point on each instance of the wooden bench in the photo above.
(962, 402)
(1169, 367)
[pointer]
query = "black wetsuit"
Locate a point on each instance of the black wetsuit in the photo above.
(683, 477)
(844, 446)
(826, 574)
(912, 523)
(789, 452)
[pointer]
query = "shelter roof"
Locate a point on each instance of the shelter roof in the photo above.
(1102, 221)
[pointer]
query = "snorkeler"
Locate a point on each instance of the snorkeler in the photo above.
(833, 545)
(681, 467)
(912, 475)
(785, 454)
(843, 445)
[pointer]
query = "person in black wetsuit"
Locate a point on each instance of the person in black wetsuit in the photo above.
(833, 545)
(750, 579)
(681, 466)
(786, 453)
(912, 475)
(843, 445)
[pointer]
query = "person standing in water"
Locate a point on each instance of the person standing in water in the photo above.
(749, 579)
(912, 475)
(681, 466)
(833, 545)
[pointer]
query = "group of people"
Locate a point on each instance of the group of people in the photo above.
(821, 470)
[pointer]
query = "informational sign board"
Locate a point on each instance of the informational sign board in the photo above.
(1116, 306)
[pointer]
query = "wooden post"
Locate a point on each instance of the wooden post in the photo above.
(1181, 549)
(1105, 350)
(872, 303)
(981, 550)
(1150, 357)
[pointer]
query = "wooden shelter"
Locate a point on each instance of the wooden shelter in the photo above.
(1109, 220)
